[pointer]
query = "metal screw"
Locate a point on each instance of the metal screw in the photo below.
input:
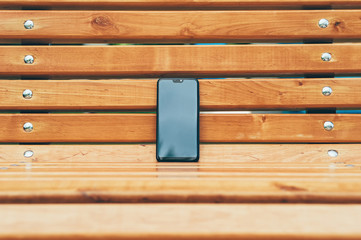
(332, 153)
(28, 59)
(326, 91)
(328, 126)
(27, 94)
(28, 127)
(326, 57)
(323, 23)
(28, 24)
(28, 153)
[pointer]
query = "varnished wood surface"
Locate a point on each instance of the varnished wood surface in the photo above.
(215, 94)
(190, 4)
(180, 26)
(254, 154)
(225, 173)
(251, 173)
(175, 183)
(213, 128)
(180, 60)
(180, 221)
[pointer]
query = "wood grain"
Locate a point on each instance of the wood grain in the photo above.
(180, 60)
(213, 128)
(180, 221)
(215, 94)
(226, 173)
(180, 26)
(258, 155)
(153, 171)
(188, 186)
(190, 4)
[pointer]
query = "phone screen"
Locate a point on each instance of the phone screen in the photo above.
(178, 119)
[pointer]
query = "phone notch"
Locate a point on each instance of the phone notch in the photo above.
(177, 80)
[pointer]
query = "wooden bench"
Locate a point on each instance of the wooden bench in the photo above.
(77, 122)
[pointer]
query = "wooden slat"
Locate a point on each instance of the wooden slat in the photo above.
(213, 128)
(254, 154)
(180, 3)
(225, 173)
(180, 26)
(180, 221)
(215, 94)
(151, 171)
(180, 60)
(182, 184)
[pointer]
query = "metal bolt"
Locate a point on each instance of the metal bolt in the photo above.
(28, 24)
(323, 23)
(326, 91)
(28, 59)
(28, 127)
(328, 126)
(27, 94)
(326, 57)
(28, 153)
(332, 153)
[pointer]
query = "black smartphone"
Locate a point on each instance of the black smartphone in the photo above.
(177, 120)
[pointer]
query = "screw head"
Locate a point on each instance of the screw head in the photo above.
(28, 59)
(326, 57)
(28, 153)
(328, 126)
(28, 24)
(326, 91)
(27, 94)
(28, 127)
(332, 153)
(323, 23)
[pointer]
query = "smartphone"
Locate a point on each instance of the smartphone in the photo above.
(177, 120)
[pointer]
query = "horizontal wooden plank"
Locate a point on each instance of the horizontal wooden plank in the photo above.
(151, 171)
(34, 185)
(225, 173)
(105, 170)
(213, 128)
(257, 155)
(215, 94)
(180, 221)
(180, 60)
(180, 26)
(142, 4)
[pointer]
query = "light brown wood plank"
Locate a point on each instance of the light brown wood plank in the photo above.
(215, 94)
(257, 155)
(213, 128)
(180, 60)
(180, 26)
(180, 221)
(129, 173)
(186, 187)
(103, 171)
(272, 170)
(180, 3)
